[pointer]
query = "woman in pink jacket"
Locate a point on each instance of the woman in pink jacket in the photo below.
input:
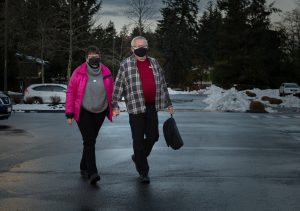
(88, 102)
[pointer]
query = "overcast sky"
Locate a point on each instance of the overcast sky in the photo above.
(115, 10)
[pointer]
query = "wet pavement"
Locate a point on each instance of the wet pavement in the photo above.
(230, 161)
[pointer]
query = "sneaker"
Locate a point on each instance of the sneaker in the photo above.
(94, 178)
(84, 174)
(144, 179)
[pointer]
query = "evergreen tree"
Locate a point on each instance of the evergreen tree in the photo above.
(106, 40)
(249, 51)
(263, 47)
(31, 36)
(291, 29)
(209, 35)
(41, 29)
(177, 35)
(78, 22)
(2, 24)
(233, 39)
(124, 44)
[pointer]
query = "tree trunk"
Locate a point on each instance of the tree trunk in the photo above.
(70, 42)
(70, 58)
(5, 46)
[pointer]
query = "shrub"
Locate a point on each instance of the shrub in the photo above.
(272, 100)
(34, 100)
(250, 94)
(55, 100)
(16, 99)
(257, 107)
(29, 100)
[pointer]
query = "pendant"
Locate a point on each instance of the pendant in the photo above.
(94, 80)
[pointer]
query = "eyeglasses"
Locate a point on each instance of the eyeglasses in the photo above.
(93, 56)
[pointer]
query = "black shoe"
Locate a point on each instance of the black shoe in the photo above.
(84, 174)
(133, 159)
(144, 179)
(94, 178)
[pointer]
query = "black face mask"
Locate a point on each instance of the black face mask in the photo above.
(94, 62)
(140, 52)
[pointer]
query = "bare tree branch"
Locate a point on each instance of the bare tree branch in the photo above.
(140, 12)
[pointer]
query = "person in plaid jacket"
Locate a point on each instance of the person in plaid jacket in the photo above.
(141, 81)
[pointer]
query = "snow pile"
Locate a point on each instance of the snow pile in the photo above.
(214, 94)
(230, 100)
(233, 100)
(213, 90)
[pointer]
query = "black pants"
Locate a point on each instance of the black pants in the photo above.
(144, 129)
(89, 125)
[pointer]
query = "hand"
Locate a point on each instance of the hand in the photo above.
(116, 112)
(171, 109)
(70, 120)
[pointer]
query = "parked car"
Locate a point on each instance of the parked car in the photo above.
(5, 106)
(289, 88)
(43, 93)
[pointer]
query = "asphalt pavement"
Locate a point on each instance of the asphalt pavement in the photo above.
(230, 161)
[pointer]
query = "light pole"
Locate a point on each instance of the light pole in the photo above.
(5, 46)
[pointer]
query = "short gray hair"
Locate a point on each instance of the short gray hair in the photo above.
(139, 38)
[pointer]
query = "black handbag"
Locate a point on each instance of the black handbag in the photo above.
(171, 134)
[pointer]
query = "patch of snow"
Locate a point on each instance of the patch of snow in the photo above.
(290, 101)
(38, 107)
(174, 92)
(217, 99)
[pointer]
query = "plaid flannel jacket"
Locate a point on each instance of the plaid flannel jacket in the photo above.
(128, 83)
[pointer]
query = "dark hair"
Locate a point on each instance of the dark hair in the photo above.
(92, 49)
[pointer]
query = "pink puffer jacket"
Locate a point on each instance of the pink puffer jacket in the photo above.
(76, 90)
